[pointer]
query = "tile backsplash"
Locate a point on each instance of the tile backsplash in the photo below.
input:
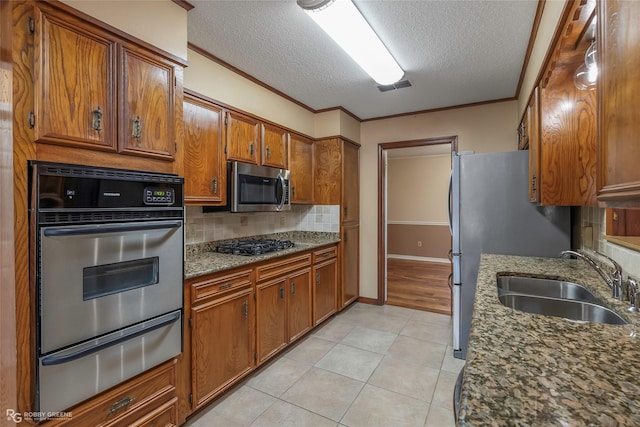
(207, 227)
(592, 227)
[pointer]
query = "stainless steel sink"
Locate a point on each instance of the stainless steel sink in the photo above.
(568, 309)
(544, 287)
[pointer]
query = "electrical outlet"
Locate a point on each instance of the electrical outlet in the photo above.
(419, 243)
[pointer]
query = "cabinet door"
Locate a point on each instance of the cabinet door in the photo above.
(350, 288)
(300, 315)
(271, 317)
(204, 172)
(275, 141)
(221, 344)
(533, 135)
(147, 91)
(301, 167)
(350, 183)
(619, 105)
(242, 138)
(75, 102)
(327, 171)
(325, 289)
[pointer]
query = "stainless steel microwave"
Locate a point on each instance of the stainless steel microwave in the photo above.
(252, 188)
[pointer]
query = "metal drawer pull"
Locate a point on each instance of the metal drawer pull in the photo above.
(121, 404)
(226, 286)
(214, 185)
(293, 288)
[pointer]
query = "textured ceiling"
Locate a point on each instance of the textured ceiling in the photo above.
(453, 52)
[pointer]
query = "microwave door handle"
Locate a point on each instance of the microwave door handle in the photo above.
(280, 183)
(57, 360)
(115, 228)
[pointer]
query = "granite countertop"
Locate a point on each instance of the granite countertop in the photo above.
(526, 369)
(201, 258)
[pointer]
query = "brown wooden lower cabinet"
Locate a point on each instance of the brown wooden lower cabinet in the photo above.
(325, 284)
(221, 343)
(350, 289)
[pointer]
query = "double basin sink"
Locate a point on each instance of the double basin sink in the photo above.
(553, 297)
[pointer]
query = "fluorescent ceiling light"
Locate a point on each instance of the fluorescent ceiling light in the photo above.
(346, 26)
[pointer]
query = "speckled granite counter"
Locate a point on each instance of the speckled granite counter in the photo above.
(202, 260)
(525, 369)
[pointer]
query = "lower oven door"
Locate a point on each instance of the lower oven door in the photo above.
(76, 373)
(95, 279)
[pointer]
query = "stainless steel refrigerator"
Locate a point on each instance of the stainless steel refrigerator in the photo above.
(490, 212)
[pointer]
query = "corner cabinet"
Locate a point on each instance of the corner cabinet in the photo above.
(618, 40)
(98, 91)
(204, 164)
(337, 182)
(301, 166)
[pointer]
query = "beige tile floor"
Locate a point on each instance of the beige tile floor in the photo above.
(367, 366)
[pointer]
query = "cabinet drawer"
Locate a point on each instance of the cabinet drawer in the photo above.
(164, 415)
(325, 253)
(285, 266)
(124, 404)
(205, 289)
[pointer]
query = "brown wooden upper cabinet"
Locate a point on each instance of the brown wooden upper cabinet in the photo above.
(251, 141)
(81, 71)
(275, 142)
(204, 166)
(563, 155)
(618, 39)
(301, 166)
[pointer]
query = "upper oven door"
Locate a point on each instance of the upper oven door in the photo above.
(96, 279)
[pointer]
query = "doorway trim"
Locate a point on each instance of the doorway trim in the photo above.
(382, 217)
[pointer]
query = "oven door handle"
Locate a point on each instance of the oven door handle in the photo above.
(111, 228)
(109, 342)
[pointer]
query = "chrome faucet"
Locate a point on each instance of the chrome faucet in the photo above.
(616, 276)
(614, 283)
(634, 296)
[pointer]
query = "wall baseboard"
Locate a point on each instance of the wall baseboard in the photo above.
(444, 224)
(366, 300)
(419, 258)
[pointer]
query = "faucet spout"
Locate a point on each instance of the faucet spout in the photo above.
(614, 285)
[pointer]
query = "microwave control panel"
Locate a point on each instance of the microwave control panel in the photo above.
(159, 196)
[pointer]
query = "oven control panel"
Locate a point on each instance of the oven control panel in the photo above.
(159, 196)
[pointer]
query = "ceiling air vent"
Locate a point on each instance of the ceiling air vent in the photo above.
(398, 85)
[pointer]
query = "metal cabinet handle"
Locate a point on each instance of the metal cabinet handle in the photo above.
(214, 185)
(317, 278)
(136, 130)
(121, 404)
(293, 191)
(245, 308)
(267, 152)
(225, 286)
(282, 292)
(96, 120)
(293, 288)
(251, 148)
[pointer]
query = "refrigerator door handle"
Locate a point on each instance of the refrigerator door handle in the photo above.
(456, 317)
(449, 205)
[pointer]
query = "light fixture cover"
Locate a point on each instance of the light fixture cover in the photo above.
(344, 23)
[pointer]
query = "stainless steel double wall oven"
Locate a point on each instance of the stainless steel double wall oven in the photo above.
(109, 257)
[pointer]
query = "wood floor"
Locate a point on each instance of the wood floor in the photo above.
(418, 284)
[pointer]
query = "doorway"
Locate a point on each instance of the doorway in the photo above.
(413, 231)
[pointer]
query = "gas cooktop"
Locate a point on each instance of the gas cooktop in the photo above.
(252, 247)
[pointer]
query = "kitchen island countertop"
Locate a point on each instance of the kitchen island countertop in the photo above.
(202, 259)
(525, 369)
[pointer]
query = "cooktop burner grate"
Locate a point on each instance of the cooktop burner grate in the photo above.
(253, 247)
